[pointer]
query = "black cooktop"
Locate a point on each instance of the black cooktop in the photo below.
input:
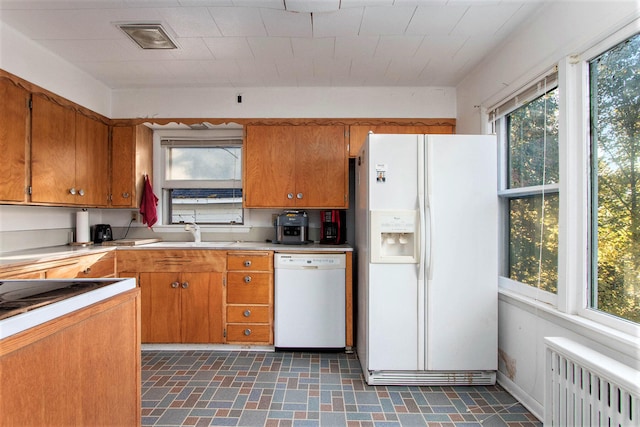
(19, 296)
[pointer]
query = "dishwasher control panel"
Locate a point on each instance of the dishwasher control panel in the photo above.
(332, 261)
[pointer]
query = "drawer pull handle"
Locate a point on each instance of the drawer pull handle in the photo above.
(247, 279)
(87, 270)
(125, 195)
(247, 313)
(175, 285)
(247, 332)
(247, 263)
(185, 285)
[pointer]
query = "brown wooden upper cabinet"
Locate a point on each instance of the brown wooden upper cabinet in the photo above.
(131, 159)
(69, 156)
(14, 134)
(358, 133)
(302, 166)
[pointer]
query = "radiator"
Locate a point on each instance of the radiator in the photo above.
(586, 388)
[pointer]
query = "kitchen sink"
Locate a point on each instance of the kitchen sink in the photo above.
(182, 245)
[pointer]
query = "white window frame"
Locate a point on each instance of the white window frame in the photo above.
(158, 176)
(528, 94)
(578, 81)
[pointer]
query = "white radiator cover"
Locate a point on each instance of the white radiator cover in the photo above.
(586, 388)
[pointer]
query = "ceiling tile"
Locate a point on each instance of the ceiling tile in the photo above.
(229, 47)
(435, 20)
(190, 22)
(271, 47)
(238, 22)
(313, 6)
(356, 47)
(385, 20)
(280, 23)
(313, 48)
(397, 46)
(345, 22)
(484, 20)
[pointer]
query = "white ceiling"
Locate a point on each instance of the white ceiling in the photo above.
(264, 43)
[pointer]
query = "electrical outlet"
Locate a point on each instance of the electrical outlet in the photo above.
(134, 216)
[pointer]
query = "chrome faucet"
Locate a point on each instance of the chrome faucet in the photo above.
(194, 229)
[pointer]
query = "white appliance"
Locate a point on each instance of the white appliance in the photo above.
(309, 301)
(426, 236)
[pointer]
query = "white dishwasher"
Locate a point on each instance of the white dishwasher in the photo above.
(309, 306)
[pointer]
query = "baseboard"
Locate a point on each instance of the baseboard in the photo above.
(535, 407)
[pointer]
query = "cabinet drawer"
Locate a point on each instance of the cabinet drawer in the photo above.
(249, 278)
(254, 261)
(249, 333)
(248, 313)
(99, 265)
(249, 293)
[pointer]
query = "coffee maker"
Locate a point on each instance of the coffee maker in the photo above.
(333, 229)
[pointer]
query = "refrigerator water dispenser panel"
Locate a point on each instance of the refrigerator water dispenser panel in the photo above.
(394, 237)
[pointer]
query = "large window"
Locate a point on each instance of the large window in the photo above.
(614, 81)
(528, 126)
(202, 181)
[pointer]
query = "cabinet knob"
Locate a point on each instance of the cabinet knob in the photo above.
(87, 270)
(247, 332)
(247, 279)
(289, 195)
(299, 195)
(72, 191)
(247, 313)
(185, 285)
(175, 285)
(125, 195)
(247, 263)
(81, 192)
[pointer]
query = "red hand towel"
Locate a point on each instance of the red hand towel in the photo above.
(148, 204)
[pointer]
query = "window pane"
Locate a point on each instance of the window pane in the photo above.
(203, 163)
(527, 238)
(531, 129)
(207, 206)
(615, 132)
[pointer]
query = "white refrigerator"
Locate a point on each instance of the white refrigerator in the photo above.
(427, 249)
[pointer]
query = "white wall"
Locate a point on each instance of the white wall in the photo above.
(28, 60)
(557, 31)
(291, 102)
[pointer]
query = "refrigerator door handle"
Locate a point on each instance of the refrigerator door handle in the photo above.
(421, 208)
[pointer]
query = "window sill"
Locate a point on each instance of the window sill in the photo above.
(618, 341)
(204, 228)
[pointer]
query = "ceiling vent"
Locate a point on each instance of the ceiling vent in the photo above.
(148, 36)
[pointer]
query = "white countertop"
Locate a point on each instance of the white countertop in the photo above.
(31, 256)
(21, 322)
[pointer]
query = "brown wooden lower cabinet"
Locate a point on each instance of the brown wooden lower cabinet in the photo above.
(81, 369)
(181, 307)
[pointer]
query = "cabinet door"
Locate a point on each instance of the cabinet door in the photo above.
(322, 167)
(92, 161)
(160, 307)
(131, 158)
(201, 306)
(14, 114)
(53, 152)
(269, 166)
